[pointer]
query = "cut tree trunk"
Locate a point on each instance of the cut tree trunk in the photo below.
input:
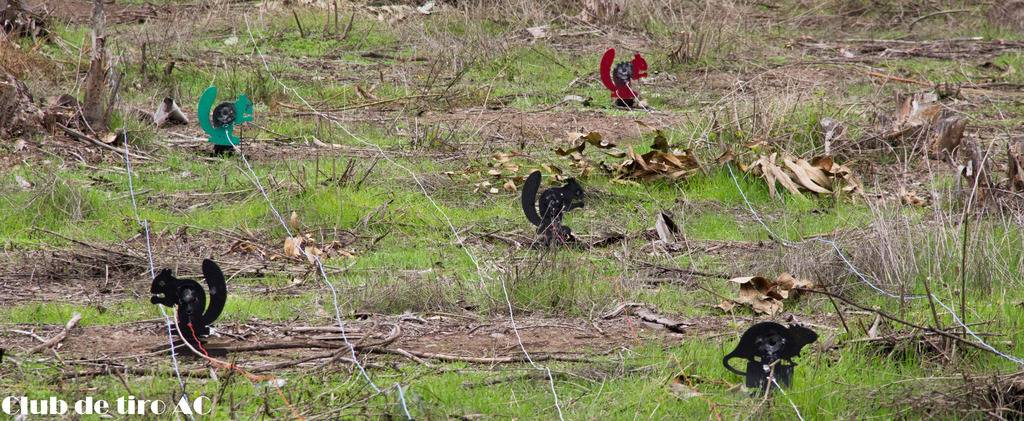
(977, 174)
(946, 136)
(18, 114)
(95, 108)
(1015, 167)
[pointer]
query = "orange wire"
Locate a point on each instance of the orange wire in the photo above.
(251, 377)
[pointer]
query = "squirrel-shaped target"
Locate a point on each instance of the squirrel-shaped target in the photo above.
(618, 80)
(554, 203)
(220, 124)
(769, 349)
(189, 298)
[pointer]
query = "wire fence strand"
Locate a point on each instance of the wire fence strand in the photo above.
(455, 232)
(144, 224)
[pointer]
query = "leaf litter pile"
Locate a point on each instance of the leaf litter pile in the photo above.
(764, 295)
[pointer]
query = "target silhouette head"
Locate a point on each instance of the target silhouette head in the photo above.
(769, 349)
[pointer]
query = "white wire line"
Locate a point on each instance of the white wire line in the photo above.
(759, 220)
(401, 400)
(863, 278)
(981, 342)
(423, 189)
(785, 395)
(857, 272)
(320, 268)
(152, 273)
(152, 269)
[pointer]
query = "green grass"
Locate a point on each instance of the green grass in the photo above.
(635, 386)
(406, 258)
(48, 313)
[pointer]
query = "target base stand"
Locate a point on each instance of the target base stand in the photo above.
(219, 124)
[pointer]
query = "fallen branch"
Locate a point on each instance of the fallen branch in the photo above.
(88, 139)
(670, 324)
(897, 78)
(395, 333)
(640, 310)
(355, 106)
(200, 373)
(50, 343)
(887, 316)
(480, 360)
(939, 13)
(333, 355)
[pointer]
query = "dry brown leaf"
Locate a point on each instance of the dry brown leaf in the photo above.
(293, 221)
(660, 162)
(816, 172)
(680, 389)
(912, 199)
(312, 252)
(509, 186)
(788, 284)
(842, 173)
(765, 295)
(773, 173)
(823, 163)
(820, 175)
(293, 246)
(759, 167)
(809, 176)
(575, 149)
(757, 292)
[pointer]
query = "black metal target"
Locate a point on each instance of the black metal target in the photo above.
(769, 349)
(623, 72)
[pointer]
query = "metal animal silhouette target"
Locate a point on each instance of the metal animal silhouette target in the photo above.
(220, 124)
